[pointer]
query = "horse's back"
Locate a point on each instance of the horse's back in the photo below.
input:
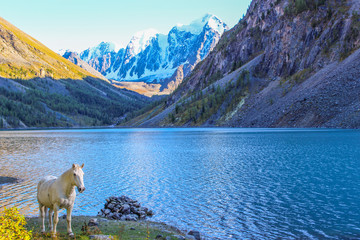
(43, 190)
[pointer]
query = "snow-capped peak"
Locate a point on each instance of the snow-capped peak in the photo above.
(216, 24)
(141, 40)
(62, 51)
(196, 26)
(105, 47)
(151, 56)
(118, 46)
(98, 50)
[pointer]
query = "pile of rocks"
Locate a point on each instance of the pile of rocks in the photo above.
(125, 209)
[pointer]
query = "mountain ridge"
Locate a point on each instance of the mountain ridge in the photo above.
(22, 56)
(39, 88)
(274, 69)
(153, 57)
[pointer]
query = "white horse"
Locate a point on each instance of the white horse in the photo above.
(58, 193)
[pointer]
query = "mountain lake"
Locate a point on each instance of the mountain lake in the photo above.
(225, 183)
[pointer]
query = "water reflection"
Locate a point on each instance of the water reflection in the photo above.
(227, 183)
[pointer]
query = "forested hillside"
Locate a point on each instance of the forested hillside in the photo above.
(63, 103)
(39, 88)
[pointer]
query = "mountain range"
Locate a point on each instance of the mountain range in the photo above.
(39, 88)
(156, 58)
(285, 64)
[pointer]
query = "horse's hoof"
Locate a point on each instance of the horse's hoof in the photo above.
(71, 234)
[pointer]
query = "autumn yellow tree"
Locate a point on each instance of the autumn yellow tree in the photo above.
(12, 225)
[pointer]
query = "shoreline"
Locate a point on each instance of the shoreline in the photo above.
(127, 229)
(164, 127)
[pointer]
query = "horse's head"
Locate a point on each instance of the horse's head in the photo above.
(78, 177)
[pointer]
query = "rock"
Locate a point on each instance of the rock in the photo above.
(134, 210)
(179, 237)
(124, 208)
(132, 217)
(168, 238)
(101, 237)
(190, 237)
(158, 236)
(93, 222)
(132, 228)
(196, 234)
(110, 206)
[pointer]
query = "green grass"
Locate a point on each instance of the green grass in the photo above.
(117, 229)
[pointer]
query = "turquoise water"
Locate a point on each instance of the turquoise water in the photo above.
(226, 183)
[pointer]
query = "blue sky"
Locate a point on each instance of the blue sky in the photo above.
(79, 24)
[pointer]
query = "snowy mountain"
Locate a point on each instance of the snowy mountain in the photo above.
(75, 58)
(153, 57)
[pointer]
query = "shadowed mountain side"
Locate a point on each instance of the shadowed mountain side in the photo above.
(45, 102)
(74, 58)
(284, 64)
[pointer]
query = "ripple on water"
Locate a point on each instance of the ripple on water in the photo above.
(227, 183)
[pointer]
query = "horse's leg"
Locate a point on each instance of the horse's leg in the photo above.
(50, 219)
(42, 216)
(68, 219)
(56, 218)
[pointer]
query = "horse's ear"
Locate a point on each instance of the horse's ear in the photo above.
(73, 166)
(82, 165)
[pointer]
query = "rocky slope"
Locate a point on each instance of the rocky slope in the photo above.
(285, 64)
(157, 58)
(39, 88)
(75, 58)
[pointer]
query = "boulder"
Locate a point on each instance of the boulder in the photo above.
(132, 217)
(179, 237)
(93, 222)
(101, 237)
(110, 206)
(124, 208)
(190, 237)
(196, 234)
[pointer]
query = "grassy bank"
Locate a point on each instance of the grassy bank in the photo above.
(117, 229)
